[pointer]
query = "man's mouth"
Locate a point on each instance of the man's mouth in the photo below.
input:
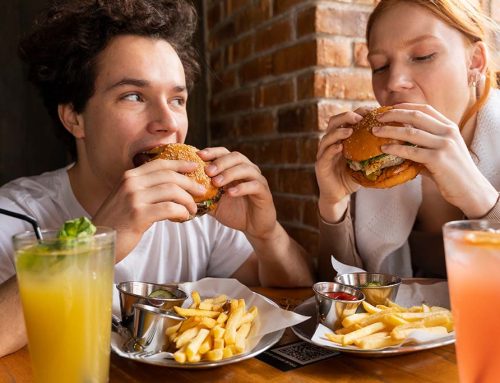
(145, 156)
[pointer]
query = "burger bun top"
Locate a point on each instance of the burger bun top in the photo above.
(362, 144)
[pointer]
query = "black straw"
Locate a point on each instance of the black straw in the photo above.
(26, 218)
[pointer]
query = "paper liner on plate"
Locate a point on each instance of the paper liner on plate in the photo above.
(271, 318)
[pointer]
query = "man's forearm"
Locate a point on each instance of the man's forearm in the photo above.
(282, 261)
(12, 329)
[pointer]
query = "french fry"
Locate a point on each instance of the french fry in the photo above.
(189, 323)
(180, 355)
(347, 330)
(196, 298)
(196, 312)
(402, 334)
(207, 345)
(206, 304)
(218, 343)
(370, 309)
(195, 343)
(234, 304)
(227, 352)
(233, 322)
(209, 333)
(336, 338)
(396, 306)
(364, 331)
(222, 318)
(215, 355)
(218, 332)
(241, 303)
(208, 322)
(377, 340)
(172, 329)
(393, 320)
(439, 318)
(220, 299)
(390, 325)
(241, 336)
(414, 316)
(186, 336)
(354, 318)
(194, 358)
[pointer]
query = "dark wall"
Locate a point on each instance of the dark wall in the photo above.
(27, 143)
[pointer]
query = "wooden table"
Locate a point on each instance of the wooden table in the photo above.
(435, 365)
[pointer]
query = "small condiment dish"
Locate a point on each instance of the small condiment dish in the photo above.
(335, 301)
(162, 296)
(148, 333)
(378, 288)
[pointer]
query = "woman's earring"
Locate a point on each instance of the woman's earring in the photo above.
(475, 78)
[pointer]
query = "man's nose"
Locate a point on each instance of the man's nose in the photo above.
(163, 118)
(399, 78)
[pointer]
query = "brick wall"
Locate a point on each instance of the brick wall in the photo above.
(279, 69)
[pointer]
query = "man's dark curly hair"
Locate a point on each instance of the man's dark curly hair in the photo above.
(61, 51)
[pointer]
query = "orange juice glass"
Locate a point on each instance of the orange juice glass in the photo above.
(473, 263)
(66, 293)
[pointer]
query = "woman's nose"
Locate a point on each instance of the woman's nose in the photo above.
(399, 79)
(163, 118)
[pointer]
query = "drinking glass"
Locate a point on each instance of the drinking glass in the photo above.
(472, 251)
(66, 293)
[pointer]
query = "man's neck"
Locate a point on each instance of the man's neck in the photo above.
(89, 191)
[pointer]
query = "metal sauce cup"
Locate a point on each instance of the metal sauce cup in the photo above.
(376, 295)
(331, 312)
(150, 324)
(139, 292)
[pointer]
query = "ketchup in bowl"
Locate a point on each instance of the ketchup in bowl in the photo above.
(339, 295)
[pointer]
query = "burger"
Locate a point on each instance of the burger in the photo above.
(367, 164)
(204, 203)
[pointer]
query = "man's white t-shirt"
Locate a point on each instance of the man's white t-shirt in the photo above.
(167, 252)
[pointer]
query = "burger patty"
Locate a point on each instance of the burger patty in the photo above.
(375, 164)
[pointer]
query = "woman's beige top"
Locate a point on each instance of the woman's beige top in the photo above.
(378, 231)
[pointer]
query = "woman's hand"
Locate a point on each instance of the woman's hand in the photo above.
(334, 181)
(442, 150)
(247, 203)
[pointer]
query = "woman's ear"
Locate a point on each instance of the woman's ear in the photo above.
(72, 121)
(478, 60)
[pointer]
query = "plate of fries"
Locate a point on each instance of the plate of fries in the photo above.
(381, 330)
(225, 323)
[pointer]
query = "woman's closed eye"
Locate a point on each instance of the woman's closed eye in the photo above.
(424, 58)
(380, 69)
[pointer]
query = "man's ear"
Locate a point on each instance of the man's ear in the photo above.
(72, 121)
(478, 59)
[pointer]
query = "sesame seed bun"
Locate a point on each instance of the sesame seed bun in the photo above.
(208, 201)
(362, 146)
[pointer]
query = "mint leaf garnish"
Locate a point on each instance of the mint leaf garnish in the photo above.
(77, 228)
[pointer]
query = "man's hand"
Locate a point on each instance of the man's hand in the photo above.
(247, 203)
(155, 191)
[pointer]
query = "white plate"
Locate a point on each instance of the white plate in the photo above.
(305, 331)
(265, 343)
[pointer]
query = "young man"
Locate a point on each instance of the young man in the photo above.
(115, 76)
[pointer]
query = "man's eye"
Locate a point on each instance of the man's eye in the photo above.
(179, 101)
(424, 58)
(380, 69)
(132, 97)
